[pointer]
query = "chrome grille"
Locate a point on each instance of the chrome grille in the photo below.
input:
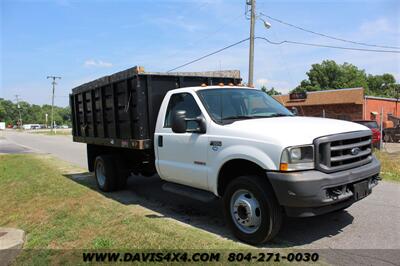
(343, 151)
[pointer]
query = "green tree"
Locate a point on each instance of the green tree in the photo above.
(271, 91)
(2, 110)
(382, 85)
(32, 114)
(330, 75)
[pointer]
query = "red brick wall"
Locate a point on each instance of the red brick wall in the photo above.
(375, 105)
(338, 111)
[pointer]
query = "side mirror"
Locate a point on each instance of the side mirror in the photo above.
(202, 125)
(179, 122)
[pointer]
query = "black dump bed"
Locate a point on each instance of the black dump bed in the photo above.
(120, 110)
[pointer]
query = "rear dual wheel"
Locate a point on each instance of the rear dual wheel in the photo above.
(110, 174)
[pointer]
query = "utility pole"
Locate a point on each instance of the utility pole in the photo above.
(52, 99)
(252, 3)
(381, 128)
(19, 110)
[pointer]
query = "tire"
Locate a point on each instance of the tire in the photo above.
(106, 173)
(122, 172)
(256, 192)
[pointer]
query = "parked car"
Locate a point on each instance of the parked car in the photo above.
(224, 141)
(376, 133)
(31, 126)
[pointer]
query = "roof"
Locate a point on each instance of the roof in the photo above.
(382, 98)
(199, 88)
(326, 97)
(139, 71)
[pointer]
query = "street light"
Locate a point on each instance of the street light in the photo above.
(267, 25)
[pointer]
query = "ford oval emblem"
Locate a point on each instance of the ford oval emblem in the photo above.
(355, 151)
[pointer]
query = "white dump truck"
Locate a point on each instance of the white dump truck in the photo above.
(210, 138)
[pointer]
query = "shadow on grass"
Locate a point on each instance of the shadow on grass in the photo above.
(147, 192)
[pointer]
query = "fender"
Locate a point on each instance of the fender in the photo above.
(249, 153)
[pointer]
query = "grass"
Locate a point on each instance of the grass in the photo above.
(58, 213)
(390, 165)
(58, 132)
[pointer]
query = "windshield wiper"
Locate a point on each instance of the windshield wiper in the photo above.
(276, 115)
(238, 117)
(253, 116)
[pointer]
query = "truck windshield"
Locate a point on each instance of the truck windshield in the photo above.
(228, 105)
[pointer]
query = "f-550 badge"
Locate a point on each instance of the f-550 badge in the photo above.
(215, 144)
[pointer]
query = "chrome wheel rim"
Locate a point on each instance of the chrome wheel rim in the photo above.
(100, 174)
(245, 211)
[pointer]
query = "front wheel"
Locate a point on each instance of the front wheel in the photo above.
(251, 209)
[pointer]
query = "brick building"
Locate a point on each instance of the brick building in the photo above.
(347, 104)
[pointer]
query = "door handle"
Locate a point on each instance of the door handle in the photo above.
(160, 141)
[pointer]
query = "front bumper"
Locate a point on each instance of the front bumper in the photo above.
(310, 193)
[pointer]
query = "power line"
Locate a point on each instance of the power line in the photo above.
(283, 42)
(327, 36)
(207, 55)
(328, 46)
(205, 37)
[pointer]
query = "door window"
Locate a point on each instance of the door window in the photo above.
(182, 102)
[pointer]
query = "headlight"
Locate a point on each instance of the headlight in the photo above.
(297, 158)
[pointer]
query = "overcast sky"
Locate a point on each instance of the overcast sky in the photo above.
(84, 40)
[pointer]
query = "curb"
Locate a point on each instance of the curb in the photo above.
(11, 243)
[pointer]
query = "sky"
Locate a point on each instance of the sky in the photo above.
(87, 39)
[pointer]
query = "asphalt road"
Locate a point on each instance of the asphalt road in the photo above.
(60, 146)
(372, 223)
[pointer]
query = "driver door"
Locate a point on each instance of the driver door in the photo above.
(182, 158)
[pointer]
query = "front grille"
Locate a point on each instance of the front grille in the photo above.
(343, 151)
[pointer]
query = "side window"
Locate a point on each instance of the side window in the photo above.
(182, 102)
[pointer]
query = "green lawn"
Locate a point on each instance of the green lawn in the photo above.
(58, 132)
(59, 213)
(390, 165)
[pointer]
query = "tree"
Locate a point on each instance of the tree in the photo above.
(32, 114)
(2, 110)
(271, 91)
(381, 85)
(329, 75)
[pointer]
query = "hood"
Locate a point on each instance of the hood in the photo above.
(291, 131)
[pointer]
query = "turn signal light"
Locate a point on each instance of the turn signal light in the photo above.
(283, 167)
